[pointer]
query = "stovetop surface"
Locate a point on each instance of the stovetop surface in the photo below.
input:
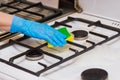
(104, 56)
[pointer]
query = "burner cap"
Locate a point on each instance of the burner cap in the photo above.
(80, 34)
(94, 74)
(34, 54)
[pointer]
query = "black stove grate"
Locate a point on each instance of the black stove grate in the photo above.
(32, 11)
(62, 60)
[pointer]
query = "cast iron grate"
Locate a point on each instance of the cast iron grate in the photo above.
(32, 11)
(62, 60)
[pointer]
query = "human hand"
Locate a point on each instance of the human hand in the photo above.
(38, 30)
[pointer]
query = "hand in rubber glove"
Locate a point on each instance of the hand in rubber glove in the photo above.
(37, 30)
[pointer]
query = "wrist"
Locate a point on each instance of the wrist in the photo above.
(5, 19)
(18, 24)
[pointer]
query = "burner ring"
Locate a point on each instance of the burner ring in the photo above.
(34, 54)
(94, 74)
(80, 34)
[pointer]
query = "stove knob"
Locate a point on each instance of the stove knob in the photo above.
(94, 74)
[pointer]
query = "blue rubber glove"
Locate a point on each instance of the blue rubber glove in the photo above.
(37, 30)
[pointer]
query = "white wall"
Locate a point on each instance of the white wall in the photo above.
(105, 8)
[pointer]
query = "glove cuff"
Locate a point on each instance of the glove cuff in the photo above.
(18, 24)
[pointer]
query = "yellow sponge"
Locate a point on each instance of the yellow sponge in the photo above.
(69, 36)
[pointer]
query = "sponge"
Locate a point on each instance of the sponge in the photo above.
(69, 36)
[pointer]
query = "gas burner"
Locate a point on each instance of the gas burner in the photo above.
(34, 54)
(80, 34)
(94, 74)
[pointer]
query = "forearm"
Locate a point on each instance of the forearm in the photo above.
(5, 21)
(30, 28)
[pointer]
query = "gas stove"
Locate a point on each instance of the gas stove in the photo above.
(99, 48)
(29, 10)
